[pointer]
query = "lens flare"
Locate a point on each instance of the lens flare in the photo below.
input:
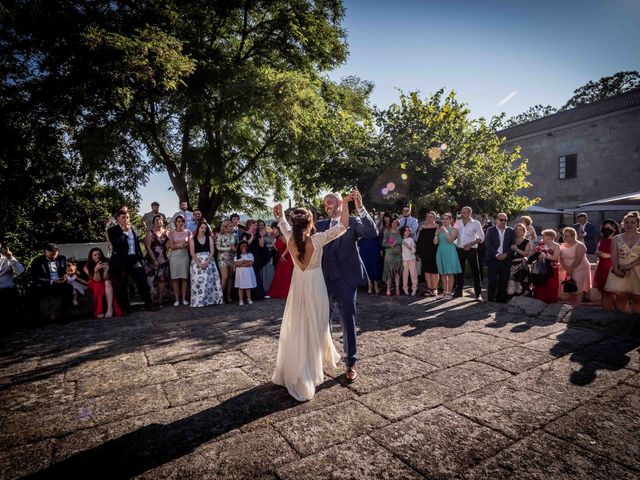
(385, 191)
(434, 153)
(443, 146)
(391, 186)
(404, 176)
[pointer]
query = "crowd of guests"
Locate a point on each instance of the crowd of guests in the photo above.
(518, 260)
(230, 262)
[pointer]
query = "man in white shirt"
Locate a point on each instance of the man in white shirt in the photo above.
(470, 234)
(407, 220)
(189, 222)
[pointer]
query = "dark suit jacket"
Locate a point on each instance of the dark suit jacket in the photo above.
(40, 272)
(120, 246)
(590, 236)
(492, 242)
(341, 258)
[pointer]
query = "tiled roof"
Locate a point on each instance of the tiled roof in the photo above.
(583, 112)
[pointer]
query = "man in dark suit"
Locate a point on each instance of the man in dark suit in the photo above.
(587, 233)
(126, 260)
(48, 274)
(498, 241)
(343, 269)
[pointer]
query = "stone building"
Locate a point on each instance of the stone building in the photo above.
(583, 154)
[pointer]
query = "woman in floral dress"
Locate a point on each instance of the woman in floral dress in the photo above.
(156, 262)
(205, 281)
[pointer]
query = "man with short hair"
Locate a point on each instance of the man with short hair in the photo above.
(147, 218)
(498, 255)
(406, 220)
(587, 232)
(470, 235)
(189, 222)
(48, 274)
(198, 219)
(9, 266)
(126, 261)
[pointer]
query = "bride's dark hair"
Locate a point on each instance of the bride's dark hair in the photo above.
(301, 219)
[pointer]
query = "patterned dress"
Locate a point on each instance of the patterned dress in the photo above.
(392, 243)
(205, 284)
(626, 255)
(159, 253)
(224, 245)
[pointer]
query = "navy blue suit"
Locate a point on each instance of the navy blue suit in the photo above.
(590, 238)
(344, 272)
(499, 270)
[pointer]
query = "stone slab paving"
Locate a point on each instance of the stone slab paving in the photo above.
(447, 389)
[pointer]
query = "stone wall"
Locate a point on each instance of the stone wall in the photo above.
(608, 150)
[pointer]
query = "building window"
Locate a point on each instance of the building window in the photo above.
(568, 166)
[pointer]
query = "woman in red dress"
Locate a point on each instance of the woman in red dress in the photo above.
(284, 266)
(100, 286)
(550, 251)
(610, 229)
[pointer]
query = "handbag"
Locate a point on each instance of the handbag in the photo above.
(539, 273)
(569, 285)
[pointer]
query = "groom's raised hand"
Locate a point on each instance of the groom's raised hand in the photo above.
(277, 211)
(357, 198)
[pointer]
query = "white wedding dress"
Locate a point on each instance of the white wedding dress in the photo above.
(305, 338)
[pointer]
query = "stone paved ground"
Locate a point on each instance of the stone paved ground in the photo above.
(447, 390)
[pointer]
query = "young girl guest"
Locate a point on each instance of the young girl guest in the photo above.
(72, 278)
(409, 263)
(245, 275)
(205, 281)
(179, 260)
(609, 230)
(447, 255)
(97, 269)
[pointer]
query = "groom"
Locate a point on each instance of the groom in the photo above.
(343, 269)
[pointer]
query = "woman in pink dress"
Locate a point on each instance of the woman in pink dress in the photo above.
(573, 258)
(549, 250)
(284, 267)
(610, 229)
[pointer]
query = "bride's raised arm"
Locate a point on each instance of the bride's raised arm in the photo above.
(285, 228)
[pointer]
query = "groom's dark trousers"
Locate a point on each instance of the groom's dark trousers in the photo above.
(343, 273)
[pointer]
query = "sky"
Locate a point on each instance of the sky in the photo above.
(498, 55)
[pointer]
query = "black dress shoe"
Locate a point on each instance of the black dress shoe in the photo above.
(457, 294)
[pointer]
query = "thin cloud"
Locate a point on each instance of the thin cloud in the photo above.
(507, 98)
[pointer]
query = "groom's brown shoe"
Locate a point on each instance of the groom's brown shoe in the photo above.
(351, 374)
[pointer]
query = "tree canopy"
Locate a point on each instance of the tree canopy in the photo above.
(431, 153)
(230, 98)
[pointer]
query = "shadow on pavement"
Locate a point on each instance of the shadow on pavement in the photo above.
(154, 445)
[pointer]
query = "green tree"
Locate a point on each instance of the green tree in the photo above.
(229, 97)
(430, 153)
(605, 87)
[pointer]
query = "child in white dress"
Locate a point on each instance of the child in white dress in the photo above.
(78, 284)
(245, 276)
(409, 262)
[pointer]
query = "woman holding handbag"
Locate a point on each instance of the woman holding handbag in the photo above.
(548, 251)
(519, 273)
(573, 258)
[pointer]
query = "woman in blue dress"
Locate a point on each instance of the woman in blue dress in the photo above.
(447, 255)
(370, 253)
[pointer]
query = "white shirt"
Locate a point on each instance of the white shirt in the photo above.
(53, 270)
(468, 233)
(131, 242)
(408, 249)
(501, 236)
(335, 220)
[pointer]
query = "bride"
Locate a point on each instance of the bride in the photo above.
(305, 339)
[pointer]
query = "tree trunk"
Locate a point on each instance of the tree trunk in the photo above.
(209, 201)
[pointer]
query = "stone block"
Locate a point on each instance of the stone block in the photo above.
(470, 376)
(201, 387)
(516, 359)
(526, 306)
(439, 443)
